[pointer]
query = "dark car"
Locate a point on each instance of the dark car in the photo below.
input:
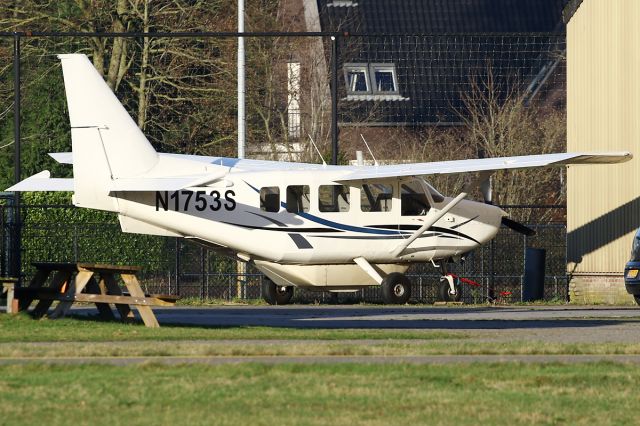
(632, 270)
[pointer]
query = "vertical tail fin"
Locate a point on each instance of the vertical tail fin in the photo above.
(106, 142)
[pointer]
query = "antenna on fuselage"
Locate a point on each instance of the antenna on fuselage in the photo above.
(317, 150)
(375, 162)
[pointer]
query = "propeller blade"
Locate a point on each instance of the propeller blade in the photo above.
(518, 227)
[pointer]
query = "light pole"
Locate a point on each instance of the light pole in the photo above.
(241, 84)
(241, 267)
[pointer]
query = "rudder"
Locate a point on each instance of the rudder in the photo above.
(106, 142)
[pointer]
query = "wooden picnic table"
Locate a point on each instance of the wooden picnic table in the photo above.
(89, 282)
(8, 287)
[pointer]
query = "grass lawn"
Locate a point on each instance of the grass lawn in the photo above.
(23, 337)
(251, 394)
(22, 328)
(306, 394)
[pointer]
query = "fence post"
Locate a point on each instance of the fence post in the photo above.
(491, 282)
(16, 249)
(334, 100)
(75, 243)
(177, 285)
(202, 273)
(3, 242)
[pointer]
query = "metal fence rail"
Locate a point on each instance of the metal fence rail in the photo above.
(175, 266)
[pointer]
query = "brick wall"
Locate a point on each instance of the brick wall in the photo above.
(602, 288)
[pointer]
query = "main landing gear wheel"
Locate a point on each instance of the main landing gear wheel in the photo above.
(396, 289)
(275, 294)
(446, 294)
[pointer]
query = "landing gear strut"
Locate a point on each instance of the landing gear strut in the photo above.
(449, 288)
(275, 294)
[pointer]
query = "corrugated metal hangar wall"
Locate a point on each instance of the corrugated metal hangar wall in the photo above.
(603, 114)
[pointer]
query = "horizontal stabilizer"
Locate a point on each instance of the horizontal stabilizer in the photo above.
(134, 226)
(43, 182)
(62, 157)
(164, 183)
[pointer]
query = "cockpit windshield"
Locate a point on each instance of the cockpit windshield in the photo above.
(437, 197)
(413, 200)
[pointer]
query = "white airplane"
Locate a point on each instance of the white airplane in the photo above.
(335, 228)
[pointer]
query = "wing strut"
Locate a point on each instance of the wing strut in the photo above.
(437, 216)
(366, 266)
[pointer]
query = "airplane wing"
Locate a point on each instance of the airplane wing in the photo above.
(483, 164)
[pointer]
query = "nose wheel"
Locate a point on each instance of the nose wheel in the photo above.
(449, 288)
(276, 294)
(449, 292)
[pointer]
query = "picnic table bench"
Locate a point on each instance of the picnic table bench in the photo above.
(93, 283)
(8, 287)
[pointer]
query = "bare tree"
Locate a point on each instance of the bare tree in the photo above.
(181, 90)
(500, 123)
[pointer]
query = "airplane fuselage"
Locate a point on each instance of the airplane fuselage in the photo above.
(306, 219)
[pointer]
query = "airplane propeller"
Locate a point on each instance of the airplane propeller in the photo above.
(486, 188)
(518, 227)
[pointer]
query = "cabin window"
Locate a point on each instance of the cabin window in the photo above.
(333, 198)
(413, 201)
(270, 199)
(298, 198)
(376, 197)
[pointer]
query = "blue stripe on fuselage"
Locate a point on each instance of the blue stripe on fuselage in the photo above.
(344, 227)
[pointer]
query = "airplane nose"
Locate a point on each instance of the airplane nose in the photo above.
(480, 221)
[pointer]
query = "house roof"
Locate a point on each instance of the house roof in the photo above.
(442, 16)
(441, 48)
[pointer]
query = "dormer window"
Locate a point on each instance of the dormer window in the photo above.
(372, 82)
(384, 78)
(342, 3)
(357, 78)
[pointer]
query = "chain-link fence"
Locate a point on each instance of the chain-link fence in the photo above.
(174, 266)
(330, 87)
